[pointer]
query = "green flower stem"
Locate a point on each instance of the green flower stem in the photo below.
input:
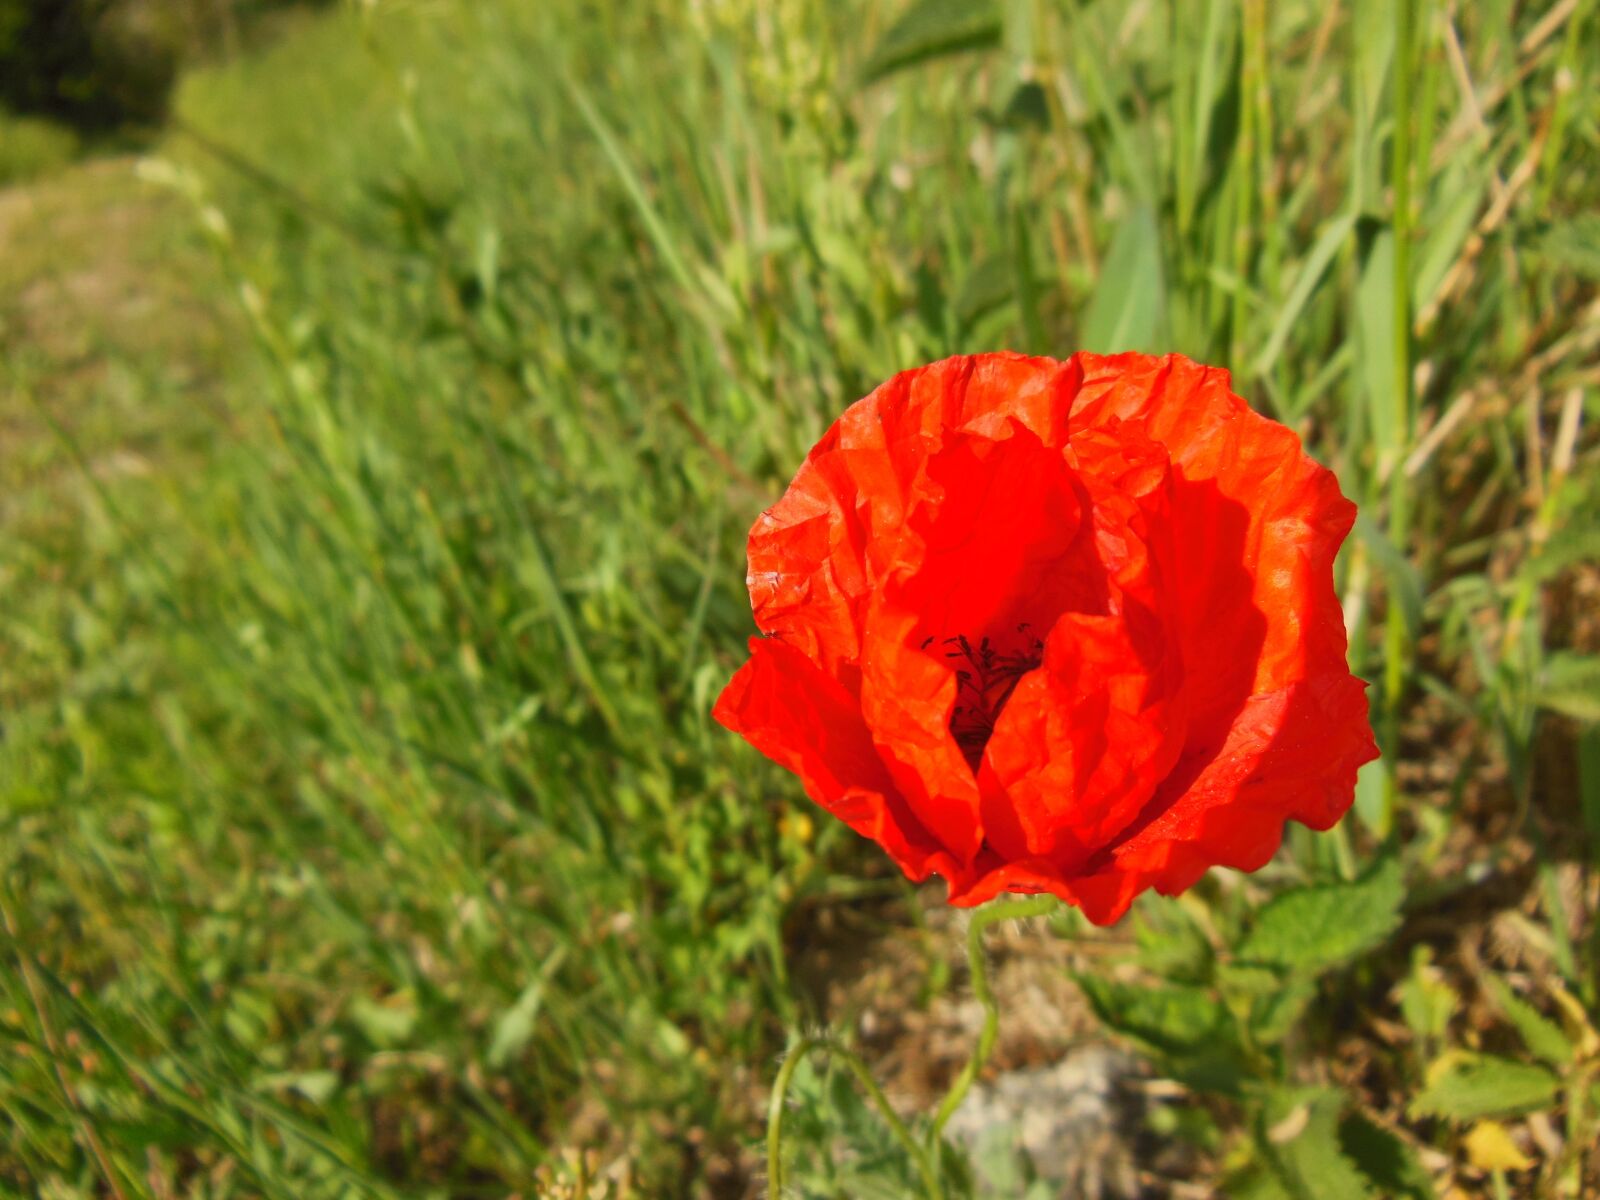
(1011, 910)
(897, 1127)
(1395, 642)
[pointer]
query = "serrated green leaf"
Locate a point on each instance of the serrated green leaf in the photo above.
(1384, 1159)
(1298, 1134)
(1171, 943)
(1274, 1015)
(932, 29)
(1193, 1033)
(1172, 1019)
(1542, 1036)
(1314, 928)
(1466, 1088)
(1249, 980)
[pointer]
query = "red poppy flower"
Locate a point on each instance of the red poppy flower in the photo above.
(1057, 626)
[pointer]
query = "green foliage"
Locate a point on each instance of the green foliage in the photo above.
(930, 29)
(1312, 929)
(374, 498)
(1298, 1135)
(31, 147)
(1128, 309)
(1539, 1034)
(1384, 1159)
(1465, 1087)
(1571, 686)
(1574, 245)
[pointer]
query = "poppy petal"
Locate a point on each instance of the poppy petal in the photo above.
(788, 708)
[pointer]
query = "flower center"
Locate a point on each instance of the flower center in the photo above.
(985, 678)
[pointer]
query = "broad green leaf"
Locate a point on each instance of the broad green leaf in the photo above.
(1313, 928)
(932, 29)
(515, 1025)
(1171, 1019)
(387, 1022)
(315, 1086)
(1542, 1036)
(1298, 1134)
(1128, 309)
(1464, 1088)
(1384, 1159)
(1570, 685)
(1370, 803)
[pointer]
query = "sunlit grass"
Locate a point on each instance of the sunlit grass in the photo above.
(365, 826)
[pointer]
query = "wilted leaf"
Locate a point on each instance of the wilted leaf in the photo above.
(931, 29)
(1317, 927)
(1490, 1148)
(1465, 1088)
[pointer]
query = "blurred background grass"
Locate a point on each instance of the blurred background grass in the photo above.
(380, 440)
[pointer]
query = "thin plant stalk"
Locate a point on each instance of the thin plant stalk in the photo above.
(897, 1127)
(1011, 910)
(1395, 637)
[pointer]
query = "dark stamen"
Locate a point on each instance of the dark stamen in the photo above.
(986, 686)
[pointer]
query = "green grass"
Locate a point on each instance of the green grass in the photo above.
(365, 831)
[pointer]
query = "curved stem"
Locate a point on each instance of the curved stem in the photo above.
(1012, 910)
(897, 1127)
